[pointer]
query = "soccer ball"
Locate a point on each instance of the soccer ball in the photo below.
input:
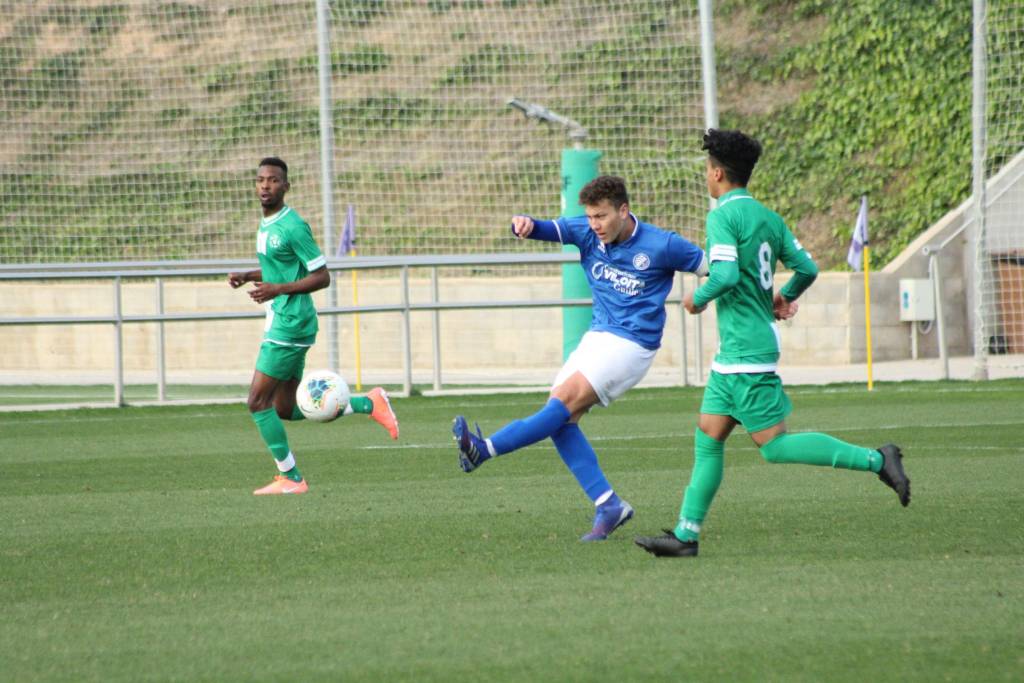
(322, 395)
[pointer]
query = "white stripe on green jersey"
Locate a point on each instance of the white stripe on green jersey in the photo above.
(287, 252)
(743, 230)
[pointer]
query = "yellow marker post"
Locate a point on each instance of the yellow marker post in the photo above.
(867, 311)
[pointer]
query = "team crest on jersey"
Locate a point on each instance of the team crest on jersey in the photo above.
(275, 241)
(641, 261)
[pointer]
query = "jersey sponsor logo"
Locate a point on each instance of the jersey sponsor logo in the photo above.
(621, 281)
(641, 261)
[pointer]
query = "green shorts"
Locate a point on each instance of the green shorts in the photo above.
(755, 400)
(281, 362)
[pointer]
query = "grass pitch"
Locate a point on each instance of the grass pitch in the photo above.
(133, 549)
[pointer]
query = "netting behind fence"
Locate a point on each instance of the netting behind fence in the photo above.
(130, 130)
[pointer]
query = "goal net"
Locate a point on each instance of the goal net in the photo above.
(130, 130)
(1003, 296)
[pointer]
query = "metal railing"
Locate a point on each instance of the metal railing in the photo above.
(159, 271)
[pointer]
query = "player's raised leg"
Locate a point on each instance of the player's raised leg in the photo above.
(814, 448)
(475, 449)
(377, 405)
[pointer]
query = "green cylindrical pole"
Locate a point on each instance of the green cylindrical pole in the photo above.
(579, 167)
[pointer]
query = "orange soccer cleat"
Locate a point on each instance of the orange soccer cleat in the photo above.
(280, 485)
(382, 412)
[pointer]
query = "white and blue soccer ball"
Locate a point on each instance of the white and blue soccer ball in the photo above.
(322, 395)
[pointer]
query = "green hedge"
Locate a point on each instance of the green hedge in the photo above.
(887, 113)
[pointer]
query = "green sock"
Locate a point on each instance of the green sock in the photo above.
(272, 430)
(297, 415)
(359, 404)
(704, 481)
(813, 448)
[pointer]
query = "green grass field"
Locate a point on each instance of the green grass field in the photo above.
(133, 549)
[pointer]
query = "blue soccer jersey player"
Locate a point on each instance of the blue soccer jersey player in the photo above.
(630, 267)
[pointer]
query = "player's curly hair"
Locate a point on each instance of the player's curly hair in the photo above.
(610, 187)
(274, 161)
(734, 152)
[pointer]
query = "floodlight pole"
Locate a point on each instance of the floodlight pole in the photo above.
(579, 167)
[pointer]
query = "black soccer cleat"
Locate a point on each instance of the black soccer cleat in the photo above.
(892, 474)
(667, 545)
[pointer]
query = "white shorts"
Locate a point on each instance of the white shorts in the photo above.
(611, 364)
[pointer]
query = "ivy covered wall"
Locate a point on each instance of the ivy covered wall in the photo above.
(872, 96)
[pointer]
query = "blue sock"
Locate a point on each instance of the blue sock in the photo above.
(521, 433)
(581, 460)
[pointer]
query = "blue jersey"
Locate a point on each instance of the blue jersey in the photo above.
(629, 280)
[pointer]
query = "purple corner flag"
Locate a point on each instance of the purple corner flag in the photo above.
(348, 233)
(860, 236)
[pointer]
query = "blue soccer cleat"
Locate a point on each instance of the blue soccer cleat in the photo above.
(607, 519)
(472, 447)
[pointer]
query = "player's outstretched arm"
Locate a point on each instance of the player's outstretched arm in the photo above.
(525, 227)
(522, 226)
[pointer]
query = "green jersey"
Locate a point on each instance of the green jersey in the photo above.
(745, 236)
(287, 252)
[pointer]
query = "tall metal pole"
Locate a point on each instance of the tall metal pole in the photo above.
(935, 273)
(118, 345)
(707, 60)
(982, 267)
(323, 46)
(435, 296)
(406, 334)
(161, 351)
(681, 279)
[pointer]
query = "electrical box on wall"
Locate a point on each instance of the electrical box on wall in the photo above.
(917, 300)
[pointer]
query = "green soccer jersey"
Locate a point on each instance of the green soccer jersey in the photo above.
(287, 252)
(743, 233)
